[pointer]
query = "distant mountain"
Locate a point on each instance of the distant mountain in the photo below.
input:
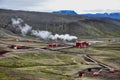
(101, 15)
(77, 25)
(68, 12)
(107, 15)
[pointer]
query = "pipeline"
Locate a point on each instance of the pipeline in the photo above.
(98, 62)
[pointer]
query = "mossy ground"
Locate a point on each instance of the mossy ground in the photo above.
(54, 65)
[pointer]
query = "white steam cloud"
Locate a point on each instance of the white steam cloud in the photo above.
(25, 29)
(18, 23)
(41, 34)
(48, 35)
(63, 37)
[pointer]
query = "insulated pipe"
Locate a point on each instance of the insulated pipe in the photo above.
(111, 70)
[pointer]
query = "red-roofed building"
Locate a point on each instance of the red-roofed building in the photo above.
(52, 45)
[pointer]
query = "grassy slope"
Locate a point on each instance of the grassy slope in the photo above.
(53, 65)
(108, 53)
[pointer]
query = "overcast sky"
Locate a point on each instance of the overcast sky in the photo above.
(80, 6)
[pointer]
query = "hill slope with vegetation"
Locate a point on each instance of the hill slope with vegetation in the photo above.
(57, 23)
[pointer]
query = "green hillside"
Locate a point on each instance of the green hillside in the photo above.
(80, 26)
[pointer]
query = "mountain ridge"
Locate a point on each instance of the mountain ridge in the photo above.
(67, 12)
(104, 15)
(113, 15)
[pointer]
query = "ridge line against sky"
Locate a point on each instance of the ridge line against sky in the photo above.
(80, 6)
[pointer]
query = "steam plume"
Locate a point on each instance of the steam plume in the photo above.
(49, 35)
(18, 23)
(63, 37)
(25, 28)
(41, 34)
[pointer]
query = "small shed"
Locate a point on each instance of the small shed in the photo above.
(52, 45)
(18, 47)
(78, 44)
(21, 47)
(84, 44)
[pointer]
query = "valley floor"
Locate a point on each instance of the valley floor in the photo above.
(39, 62)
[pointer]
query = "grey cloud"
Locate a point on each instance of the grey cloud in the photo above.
(19, 4)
